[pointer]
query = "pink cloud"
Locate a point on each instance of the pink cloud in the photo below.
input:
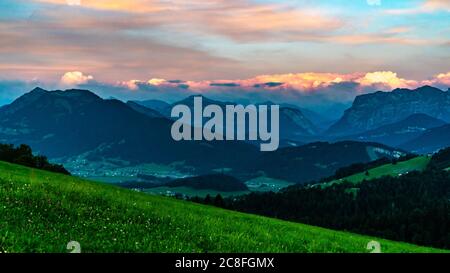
(440, 79)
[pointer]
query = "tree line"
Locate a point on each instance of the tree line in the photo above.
(23, 155)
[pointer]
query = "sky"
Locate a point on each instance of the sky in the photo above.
(307, 52)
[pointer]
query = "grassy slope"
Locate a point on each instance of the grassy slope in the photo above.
(42, 212)
(416, 164)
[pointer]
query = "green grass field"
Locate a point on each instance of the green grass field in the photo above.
(416, 164)
(42, 212)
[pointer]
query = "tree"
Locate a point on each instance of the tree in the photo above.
(218, 201)
(23, 155)
(208, 200)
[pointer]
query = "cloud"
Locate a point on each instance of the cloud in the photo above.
(73, 2)
(75, 78)
(224, 84)
(119, 40)
(306, 89)
(52, 42)
(135, 6)
(319, 91)
(440, 80)
(386, 79)
(429, 6)
(240, 20)
(156, 81)
(433, 5)
(299, 82)
(267, 84)
(374, 2)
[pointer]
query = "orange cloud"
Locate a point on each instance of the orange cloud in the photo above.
(137, 6)
(303, 81)
(386, 78)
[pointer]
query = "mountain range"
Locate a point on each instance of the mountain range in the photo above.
(73, 122)
(294, 125)
(393, 118)
(77, 124)
(371, 111)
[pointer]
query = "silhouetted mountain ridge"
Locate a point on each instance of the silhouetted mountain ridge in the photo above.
(381, 108)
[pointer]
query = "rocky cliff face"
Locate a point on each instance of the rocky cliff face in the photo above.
(374, 110)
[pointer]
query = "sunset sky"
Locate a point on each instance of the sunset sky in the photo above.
(275, 49)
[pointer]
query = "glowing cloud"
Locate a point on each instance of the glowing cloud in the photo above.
(156, 81)
(301, 82)
(75, 78)
(131, 84)
(386, 78)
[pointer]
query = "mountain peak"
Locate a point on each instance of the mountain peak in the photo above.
(80, 92)
(38, 90)
(427, 88)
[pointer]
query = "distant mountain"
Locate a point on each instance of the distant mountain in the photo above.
(144, 110)
(320, 121)
(294, 125)
(157, 105)
(318, 160)
(399, 132)
(371, 111)
(430, 141)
